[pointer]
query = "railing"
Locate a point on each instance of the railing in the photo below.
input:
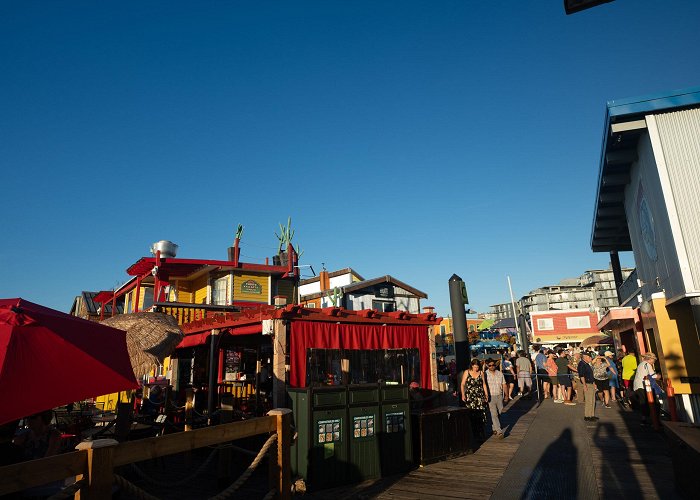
(629, 288)
(93, 465)
(186, 313)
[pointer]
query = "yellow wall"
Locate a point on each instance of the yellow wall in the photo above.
(679, 351)
(263, 281)
(200, 286)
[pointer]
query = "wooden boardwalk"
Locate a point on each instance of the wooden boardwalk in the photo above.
(473, 476)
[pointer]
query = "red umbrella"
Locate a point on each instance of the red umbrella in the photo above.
(49, 358)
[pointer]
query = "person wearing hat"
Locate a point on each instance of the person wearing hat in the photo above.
(585, 374)
(644, 370)
(614, 375)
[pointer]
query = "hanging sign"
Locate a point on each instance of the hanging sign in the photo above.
(251, 286)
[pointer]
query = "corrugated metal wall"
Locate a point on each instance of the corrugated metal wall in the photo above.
(680, 136)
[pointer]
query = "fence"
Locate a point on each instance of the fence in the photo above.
(93, 464)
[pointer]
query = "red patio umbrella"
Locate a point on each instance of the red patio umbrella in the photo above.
(49, 358)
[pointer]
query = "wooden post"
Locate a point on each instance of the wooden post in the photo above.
(279, 371)
(433, 361)
(280, 469)
(100, 468)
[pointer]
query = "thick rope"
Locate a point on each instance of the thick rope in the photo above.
(68, 491)
(199, 470)
(270, 495)
(133, 489)
(248, 472)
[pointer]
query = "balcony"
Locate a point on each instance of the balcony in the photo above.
(629, 288)
(186, 313)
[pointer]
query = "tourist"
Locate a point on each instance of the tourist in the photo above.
(614, 379)
(497, 394)
(509, 374)
(577, 390)
(443, 372)
(551, 366)
(585, 374)
(564, 377)
(453, 375)
(39, 439)
(523, 367)
(601, 374)
(629, 368)
(644, 370)
(474, 397)
(541, 372)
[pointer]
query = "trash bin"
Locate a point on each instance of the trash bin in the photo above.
(440, 434)
(395, 436)
(320, 454)
(363, 417)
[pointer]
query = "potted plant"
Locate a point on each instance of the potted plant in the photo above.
(285, 239)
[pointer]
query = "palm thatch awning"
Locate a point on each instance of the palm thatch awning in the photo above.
(150, 338)
(594, 340)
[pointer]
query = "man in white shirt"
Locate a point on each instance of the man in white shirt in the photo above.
(645, 369)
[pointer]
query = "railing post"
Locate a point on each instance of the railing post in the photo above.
(280, 469)
(100, 468)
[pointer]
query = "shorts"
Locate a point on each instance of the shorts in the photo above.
(614, 381)
(602, 385)
(564, 380)
(510, 379)
(524, 380)
(626, 383)
(554, 380)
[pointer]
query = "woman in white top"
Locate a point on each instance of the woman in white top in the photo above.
(645, 369)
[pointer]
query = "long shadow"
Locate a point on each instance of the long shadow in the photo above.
(617, 475)
(556, 473)
(516, 410)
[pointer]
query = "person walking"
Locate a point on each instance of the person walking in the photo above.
(601, 374)
(473, 389)
(564, 378)
(585, 374)
(644, 370)
(541, 371)
(524, 368)
(629, 368)
(509, 374)
(551, 366)
(497, 394)
(614, 378)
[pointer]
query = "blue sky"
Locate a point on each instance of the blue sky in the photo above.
(417, 139)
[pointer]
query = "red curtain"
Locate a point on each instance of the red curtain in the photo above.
(319, 335)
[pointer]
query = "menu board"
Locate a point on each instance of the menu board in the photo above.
(396, 422)
(232, 364)
(363, 426)
(329, 431)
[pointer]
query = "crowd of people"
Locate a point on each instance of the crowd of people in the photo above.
(568, 376)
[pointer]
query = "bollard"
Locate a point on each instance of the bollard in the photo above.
(652, 406)
(671, 396)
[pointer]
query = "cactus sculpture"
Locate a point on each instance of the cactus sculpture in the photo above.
(285, 236)
(336, 296)
(239, 232)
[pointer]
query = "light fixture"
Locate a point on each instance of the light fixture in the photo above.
(645, 307)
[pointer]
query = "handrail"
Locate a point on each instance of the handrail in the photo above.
(96, 460)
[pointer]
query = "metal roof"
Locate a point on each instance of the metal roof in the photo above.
(624, 124)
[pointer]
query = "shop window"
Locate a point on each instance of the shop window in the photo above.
(391, 366)
(219, 288)
(147, 299)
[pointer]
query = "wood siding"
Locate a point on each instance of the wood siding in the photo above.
(200, 287)
(242, 295)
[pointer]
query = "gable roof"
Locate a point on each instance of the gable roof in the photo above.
(340, 272)
(384, 279)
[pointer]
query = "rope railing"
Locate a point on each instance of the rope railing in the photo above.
(132, 489)
(68, 491)
(185, 480)
(248, 472)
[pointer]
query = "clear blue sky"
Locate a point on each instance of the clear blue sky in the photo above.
(417, 139)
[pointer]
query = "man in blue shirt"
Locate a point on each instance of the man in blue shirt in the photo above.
(541, 371)
(585, 373)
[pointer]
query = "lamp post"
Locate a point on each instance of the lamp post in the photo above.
(458, 299)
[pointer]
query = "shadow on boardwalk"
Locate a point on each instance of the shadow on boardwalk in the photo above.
(558, 465)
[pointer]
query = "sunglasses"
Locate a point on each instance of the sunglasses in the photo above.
(491, 365)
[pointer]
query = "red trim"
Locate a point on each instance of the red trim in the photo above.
(197, 339)
(309, 334)
(185, 267)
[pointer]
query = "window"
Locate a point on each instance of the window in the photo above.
(382, 306)
(219, 296)
(392, 366)
(147, 298)
(578, 322)
(545, 324)
(443, 330)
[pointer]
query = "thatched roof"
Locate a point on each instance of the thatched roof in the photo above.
(150, 338)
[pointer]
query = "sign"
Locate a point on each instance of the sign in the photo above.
(252, 287)
(395, 422)
(385, 291)
(465, 298)
(329, 431)
(363, 426)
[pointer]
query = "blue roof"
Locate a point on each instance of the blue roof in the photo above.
(654, 102)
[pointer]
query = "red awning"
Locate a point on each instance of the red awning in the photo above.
(197, 339)
(615, 316)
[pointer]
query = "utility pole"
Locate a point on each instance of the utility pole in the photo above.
(458, 299)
